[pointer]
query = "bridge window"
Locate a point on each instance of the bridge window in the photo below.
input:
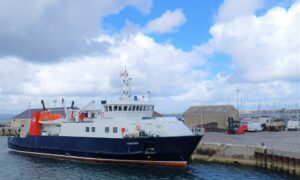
(87, 129)
(147, 108)
(115, 108)
(110, 108)
(125, 108)
(133, 108)
(144, 108)
(93, 129)
(115, 129)
(120, 108)
(129, 108)
(106, 108)
(137, 108)
(106, 129)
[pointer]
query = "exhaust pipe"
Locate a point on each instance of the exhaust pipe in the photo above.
(72, 106)
(43, 104)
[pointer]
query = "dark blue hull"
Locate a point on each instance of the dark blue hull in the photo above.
(156, 150)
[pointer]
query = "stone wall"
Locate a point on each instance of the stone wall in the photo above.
(260, 156)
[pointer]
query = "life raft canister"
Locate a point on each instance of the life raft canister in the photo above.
(81, 116)
(123, 130)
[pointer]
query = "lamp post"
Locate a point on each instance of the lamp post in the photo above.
(237, 98)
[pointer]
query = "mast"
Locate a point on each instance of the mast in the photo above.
(126, 85)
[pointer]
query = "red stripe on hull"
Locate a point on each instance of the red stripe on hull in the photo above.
(166, 163)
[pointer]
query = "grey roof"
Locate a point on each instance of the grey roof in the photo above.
(216, 108)
(26, 113)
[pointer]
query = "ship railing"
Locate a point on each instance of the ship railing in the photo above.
(198, 131)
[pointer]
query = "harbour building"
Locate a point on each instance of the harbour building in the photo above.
(212, 118)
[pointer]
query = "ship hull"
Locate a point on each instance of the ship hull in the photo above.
(156, 150)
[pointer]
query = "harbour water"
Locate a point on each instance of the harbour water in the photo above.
(15, 166)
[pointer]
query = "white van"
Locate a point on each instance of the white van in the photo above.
(293, 125)
(254, 126)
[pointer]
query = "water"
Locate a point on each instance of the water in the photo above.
(15, 166)
(4, 118)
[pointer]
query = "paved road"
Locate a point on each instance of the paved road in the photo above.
(285, 140)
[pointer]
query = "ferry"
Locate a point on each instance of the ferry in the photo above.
(120, 131)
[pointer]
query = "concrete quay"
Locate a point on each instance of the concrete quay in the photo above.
(280, 156)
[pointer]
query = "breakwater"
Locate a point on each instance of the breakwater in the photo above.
(8, 131)
(260, 156)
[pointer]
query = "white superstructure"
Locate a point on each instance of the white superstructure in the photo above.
(128, 117)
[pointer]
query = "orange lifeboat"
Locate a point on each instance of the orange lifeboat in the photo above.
(35, 126)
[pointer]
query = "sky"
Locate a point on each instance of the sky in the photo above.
(240, 52)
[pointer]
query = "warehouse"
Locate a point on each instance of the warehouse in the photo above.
(210, 117)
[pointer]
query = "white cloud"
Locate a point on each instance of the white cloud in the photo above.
(169, 21)
(231, 9)
(263, 48)
(51, 30)
(160, 68)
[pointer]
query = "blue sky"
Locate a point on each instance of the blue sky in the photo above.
(200, 17)
(185, 53)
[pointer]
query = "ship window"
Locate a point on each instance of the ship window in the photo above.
(115, 130)
(115, 108)
(144, 108)
(106, 108)
(93, 129)
(125, 108)
(129, 108)
(87, 129)
(120, 108)
(133, 108)
(110, 108)
(107, 129)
